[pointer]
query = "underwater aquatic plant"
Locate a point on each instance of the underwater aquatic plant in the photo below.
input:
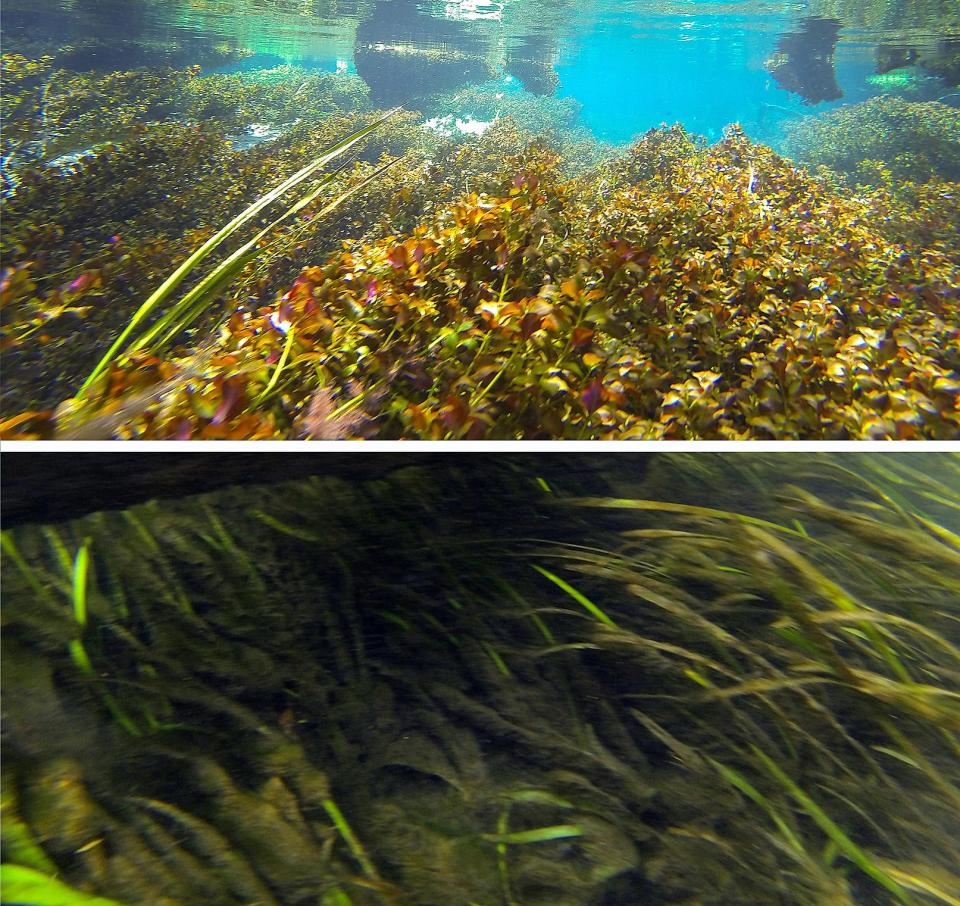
(56, 116)
(740, 299)
(26, 885)
(23, 111)
(885, 140)
(204, 293)
(768, 646)
(481, 294)
(535, 752)
(92, 240)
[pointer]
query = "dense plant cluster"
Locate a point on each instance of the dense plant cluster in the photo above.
(779, 648)
(54, 113)
(883, 141)
(740, 298)
(708, 685)
(550, 119)
(92, 243)
(21, 104)
(490, 287)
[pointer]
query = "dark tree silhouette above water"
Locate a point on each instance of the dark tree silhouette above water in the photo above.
(404, 53)
(803, 62)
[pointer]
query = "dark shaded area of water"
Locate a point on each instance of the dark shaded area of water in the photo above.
(46, 488)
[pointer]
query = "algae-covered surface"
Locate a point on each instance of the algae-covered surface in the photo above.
(695, 679)
(480, 220)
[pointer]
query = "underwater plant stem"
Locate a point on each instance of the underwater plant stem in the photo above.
(478, 397)
(29, 574)
(683, 508)
(353, 844)
(80, 569)
(278, 370)
(503, 867)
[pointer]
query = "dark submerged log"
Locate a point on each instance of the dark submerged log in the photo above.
(54, 487)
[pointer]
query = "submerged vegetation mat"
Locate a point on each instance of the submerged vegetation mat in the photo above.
(699, 685)
(503, 286)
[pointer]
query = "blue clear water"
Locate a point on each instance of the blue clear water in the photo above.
(630, 64)
(704, 71)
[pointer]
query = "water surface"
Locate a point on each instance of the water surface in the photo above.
(630, 64)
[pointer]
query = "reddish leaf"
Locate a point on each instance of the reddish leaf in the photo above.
(529, 323)
(592, 396)
(454, 414)
(183, 429)
(83, 282)
(232, 398)
(581, 337)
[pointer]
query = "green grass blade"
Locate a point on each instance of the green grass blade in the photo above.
(353, 844)
(292, 531)
(28, 572)
(278, 370)
(850, 849)
(167, 288)
(81, 566)
(538, 835)
(577, 596)
(683, 508)
(738, 781)
(26, 885)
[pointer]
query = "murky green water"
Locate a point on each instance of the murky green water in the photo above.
(718, 680)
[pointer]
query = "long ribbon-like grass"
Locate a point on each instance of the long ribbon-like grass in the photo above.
(206, 289)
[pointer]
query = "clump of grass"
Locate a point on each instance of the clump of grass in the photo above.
(179, 316)
(716, 697)
(809, 668)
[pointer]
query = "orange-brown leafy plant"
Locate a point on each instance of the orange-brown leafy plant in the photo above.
(693, 292)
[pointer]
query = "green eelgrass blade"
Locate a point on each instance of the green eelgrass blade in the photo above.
(940, 532)
(735, 779)
(293, 531)
(26, 885)
(540, 797)
(353, 844)
(667, 507)
(934, 884)
(12, 551)
(336, 897)
(497, 659)
(577, 596)
(538, 835)
(189, 308)
(873, 617)
(850, 849)
(81, 660)
(195, 301)
(81, 566)
(503, 868)
(166, 289)
(23, 849)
